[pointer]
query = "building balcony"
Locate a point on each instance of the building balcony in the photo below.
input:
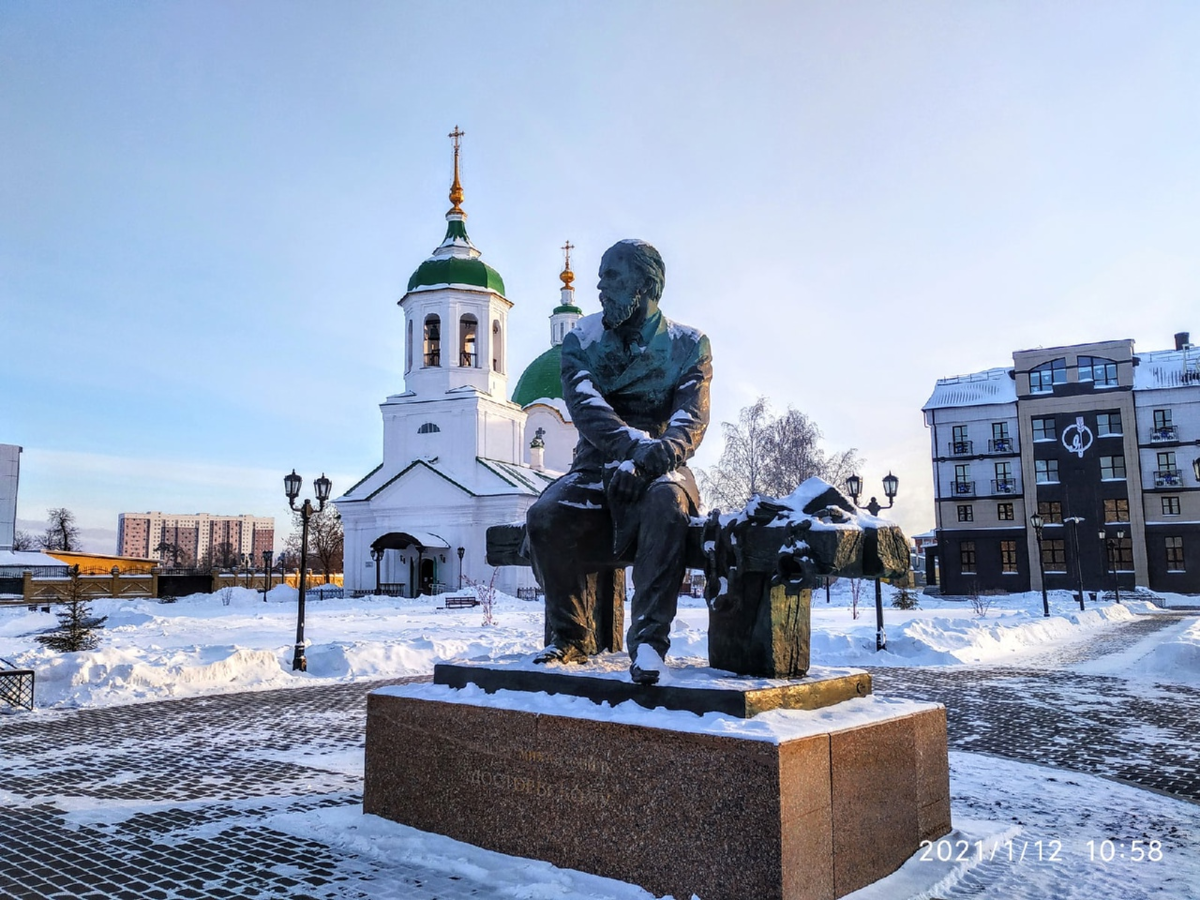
(1168, 478)
(962, 448)
(963, 488)
(1002, 445)
(1163, 435)
(1004, 486)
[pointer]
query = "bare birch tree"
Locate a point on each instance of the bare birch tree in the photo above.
(770, 455)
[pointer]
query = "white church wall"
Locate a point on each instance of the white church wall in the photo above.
(560, 437)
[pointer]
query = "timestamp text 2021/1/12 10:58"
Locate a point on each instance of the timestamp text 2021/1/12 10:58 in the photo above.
(1051, 851)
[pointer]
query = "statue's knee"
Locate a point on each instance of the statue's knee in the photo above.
(667, 504)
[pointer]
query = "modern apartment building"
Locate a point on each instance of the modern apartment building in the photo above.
(187, 539)
(1092, 438)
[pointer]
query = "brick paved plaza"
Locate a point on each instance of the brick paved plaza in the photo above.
(176, 799)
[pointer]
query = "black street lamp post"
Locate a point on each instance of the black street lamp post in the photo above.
(1074, 521)
(291, 487)
(891, 485)
(1037, 522)
(1111, 548)
(268, 555)
(377, 555)
(461, 551)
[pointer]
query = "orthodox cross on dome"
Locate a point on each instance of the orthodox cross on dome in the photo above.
(456, 191)
(567, 275)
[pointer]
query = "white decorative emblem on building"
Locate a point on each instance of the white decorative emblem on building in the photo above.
(1082, 439)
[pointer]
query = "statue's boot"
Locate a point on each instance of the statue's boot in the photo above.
(647, 665)
(554, 653)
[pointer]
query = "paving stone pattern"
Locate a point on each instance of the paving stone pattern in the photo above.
(205, 774)
(1132, 731)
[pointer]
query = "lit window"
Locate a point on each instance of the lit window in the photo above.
(1116, 510)
(1045, 470)
(966, 557)
(1112, 467)
(1174, 554)
(1008, 556)
(1043, 378)
(1054, 556)
(1050, 511)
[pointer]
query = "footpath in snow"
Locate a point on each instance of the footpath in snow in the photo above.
(205, 644)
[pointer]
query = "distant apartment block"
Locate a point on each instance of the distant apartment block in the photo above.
(10, 470)
(1091, 438)
(188, 539)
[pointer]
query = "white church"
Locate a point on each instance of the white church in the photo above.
(458, 455)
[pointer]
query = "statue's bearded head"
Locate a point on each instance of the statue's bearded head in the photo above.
(631, 278)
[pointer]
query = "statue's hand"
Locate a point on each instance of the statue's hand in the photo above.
(652, 457)
(627, 484)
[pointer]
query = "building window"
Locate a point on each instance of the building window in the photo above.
(428, 428)
(1116, 510)
(1174, 554)
(1046, 471)
(1121, 550)
(1005, 484)
(408, 348)
(433, 341)
(497, 347)
(1043, 378)
(1054, 556)
(1001, 442)
(1050, 511)
(468, 328)
(962, 479)
(1112, 468)
(966, 557)
(1108, 424)
(1004, 512)
(1166, 474)
(1170, 506)
(1043, 429)
(1102, 372)
(1164, 428)
(959, 445)
(966, 513)
(1008, 556)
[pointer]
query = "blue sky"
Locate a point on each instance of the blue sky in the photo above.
(208, 211)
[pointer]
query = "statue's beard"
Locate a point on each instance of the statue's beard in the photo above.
(617, 310)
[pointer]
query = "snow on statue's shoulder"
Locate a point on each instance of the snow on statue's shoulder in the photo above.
(589, 329)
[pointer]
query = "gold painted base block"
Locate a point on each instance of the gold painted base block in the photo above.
(723, 817)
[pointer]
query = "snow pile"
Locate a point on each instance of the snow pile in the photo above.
(1175, 657)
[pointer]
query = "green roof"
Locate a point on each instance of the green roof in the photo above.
(453, 270)
(543, 378)
(567, 308)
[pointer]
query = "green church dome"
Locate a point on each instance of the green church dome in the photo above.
(543, 378)
(455, 270)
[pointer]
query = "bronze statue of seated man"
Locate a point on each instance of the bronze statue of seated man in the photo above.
(637, 387)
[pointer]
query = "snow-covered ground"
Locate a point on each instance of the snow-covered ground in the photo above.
(198, 645)
(1022, 831)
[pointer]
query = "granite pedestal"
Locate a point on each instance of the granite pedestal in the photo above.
(792, 805)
